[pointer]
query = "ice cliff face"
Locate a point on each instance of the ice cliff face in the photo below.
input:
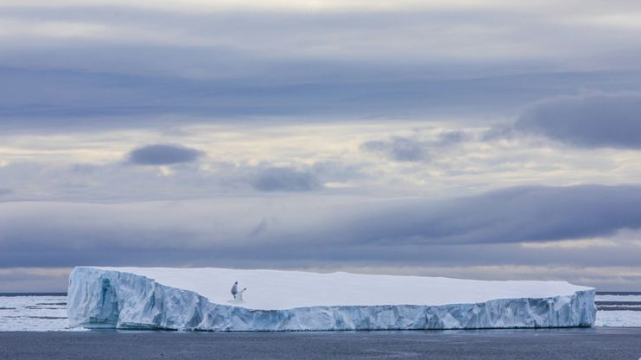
(115, 299)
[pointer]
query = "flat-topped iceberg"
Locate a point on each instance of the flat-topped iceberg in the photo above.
(200, 299)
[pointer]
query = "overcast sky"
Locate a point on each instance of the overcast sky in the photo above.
(486, 139)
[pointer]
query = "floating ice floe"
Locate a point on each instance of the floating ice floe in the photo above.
(200, 299)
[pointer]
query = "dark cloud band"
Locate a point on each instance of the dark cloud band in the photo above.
(510, 215)
(591, 121)
(162, 154)
(318, 228)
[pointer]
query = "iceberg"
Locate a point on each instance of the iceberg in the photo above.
(201, 299)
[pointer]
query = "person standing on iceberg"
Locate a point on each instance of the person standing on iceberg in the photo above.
(238, 295)
(234, 289)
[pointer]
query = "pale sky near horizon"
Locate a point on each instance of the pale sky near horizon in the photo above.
(484, 139)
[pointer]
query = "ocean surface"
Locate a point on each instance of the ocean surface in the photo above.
(525, 344)
(48, 312)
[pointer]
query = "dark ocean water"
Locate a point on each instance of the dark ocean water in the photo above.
(35, 326)
(526, 344)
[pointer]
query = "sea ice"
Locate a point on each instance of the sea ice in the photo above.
(621, 318)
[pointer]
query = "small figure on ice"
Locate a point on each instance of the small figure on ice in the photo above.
(237, 294)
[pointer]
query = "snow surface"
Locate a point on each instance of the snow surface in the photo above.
(200, 299)
(280, 290)
(620, 318)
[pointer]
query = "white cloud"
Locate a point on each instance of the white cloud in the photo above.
(615, 21)
(92, 164)
(285, 5)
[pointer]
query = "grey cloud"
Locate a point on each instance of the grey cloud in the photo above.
(163, 154)
(128, 81)
(398, 148)
(590, 121)
(451, 138)
(370, 31)
(285, 179)
(119, 181)
(415, 149)
(110, 182)
(338, 171)
(95, 99)
(480, 229)
(507, 216)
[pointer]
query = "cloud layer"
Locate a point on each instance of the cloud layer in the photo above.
(334, 134)
(342, 230)
(511, 215)
(591, 121)
(153, 64)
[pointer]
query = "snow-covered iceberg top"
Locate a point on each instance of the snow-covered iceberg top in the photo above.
(200, 299)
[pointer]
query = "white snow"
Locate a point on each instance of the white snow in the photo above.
(279, 290)
(619, 318)
(200, 299)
